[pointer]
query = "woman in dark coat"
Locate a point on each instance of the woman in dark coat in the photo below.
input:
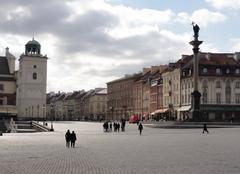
(73, 139)
(67, 138)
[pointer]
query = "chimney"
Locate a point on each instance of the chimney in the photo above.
(208, 55)
(11, 61)
(145, 70)
(237, 56)
(154, 68)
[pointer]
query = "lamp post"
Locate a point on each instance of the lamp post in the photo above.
(51, 117)
(111, 108)
(195, 105)
(43, 112)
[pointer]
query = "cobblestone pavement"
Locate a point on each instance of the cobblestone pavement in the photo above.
(157, 151)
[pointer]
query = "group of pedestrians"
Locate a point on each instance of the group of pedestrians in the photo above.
(108, 126)
(70, 138)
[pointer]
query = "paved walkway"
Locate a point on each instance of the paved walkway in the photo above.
(157, 151)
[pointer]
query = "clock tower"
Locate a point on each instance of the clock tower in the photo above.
(31, 83)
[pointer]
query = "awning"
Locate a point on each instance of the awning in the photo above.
(160, 111)
(184, 108)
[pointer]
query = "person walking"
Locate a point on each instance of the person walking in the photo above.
(73, 139)
(140, 128)
(67, 138)
(205, 128)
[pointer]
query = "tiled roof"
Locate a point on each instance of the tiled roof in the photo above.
(103, 91)
(127, 77)
(215, 59)
(4, 68)
(218, 59)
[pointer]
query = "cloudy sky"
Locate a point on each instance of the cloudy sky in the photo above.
(91, 42)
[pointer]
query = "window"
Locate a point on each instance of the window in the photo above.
(228, 92)
(218, 84)
(237, 85)
(34, 66)
(237, 71)
(204, 70)
(218, 71)
(34, 76)
(1, 87)
(205, 91)
(237, 98)
(227, 71)
(218, 97)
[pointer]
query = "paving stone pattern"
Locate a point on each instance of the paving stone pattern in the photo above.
(165, 151)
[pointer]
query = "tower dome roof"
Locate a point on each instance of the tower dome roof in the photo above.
(33, 42)
(33, 47)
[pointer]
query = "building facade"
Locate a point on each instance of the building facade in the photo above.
(7, 86)
(120, 97)
(219, 85)
(32, 80)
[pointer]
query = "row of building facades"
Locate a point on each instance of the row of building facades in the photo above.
(158, 92)
(164, 92)
(77, 105)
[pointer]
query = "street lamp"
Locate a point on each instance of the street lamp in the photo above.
(43, 112)
(111, 108)
(195, 110)
(51, 117)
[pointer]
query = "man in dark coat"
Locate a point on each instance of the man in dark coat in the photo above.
(73, 139)
(140, 128)
(67, 138)
(205, 128)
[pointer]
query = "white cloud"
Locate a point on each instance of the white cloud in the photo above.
(235, 44)
(91, 42)
(220, 4)
(203, 17)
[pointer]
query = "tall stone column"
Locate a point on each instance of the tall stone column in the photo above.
(195, 105)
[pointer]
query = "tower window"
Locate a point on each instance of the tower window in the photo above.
(34, 66)
(34, 76)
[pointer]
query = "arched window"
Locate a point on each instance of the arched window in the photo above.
(228, 92)
(205, 92)
(34, 76)
(34, 66)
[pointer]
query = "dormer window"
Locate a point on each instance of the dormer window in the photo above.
(227, 71)
(237, 71)
(204, 70)
(218, 71)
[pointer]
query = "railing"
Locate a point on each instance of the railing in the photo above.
(40, 127)
(219, 103)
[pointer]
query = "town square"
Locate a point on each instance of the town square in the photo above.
(119, 86)
(164, 151)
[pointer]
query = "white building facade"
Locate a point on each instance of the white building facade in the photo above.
(31, 83)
